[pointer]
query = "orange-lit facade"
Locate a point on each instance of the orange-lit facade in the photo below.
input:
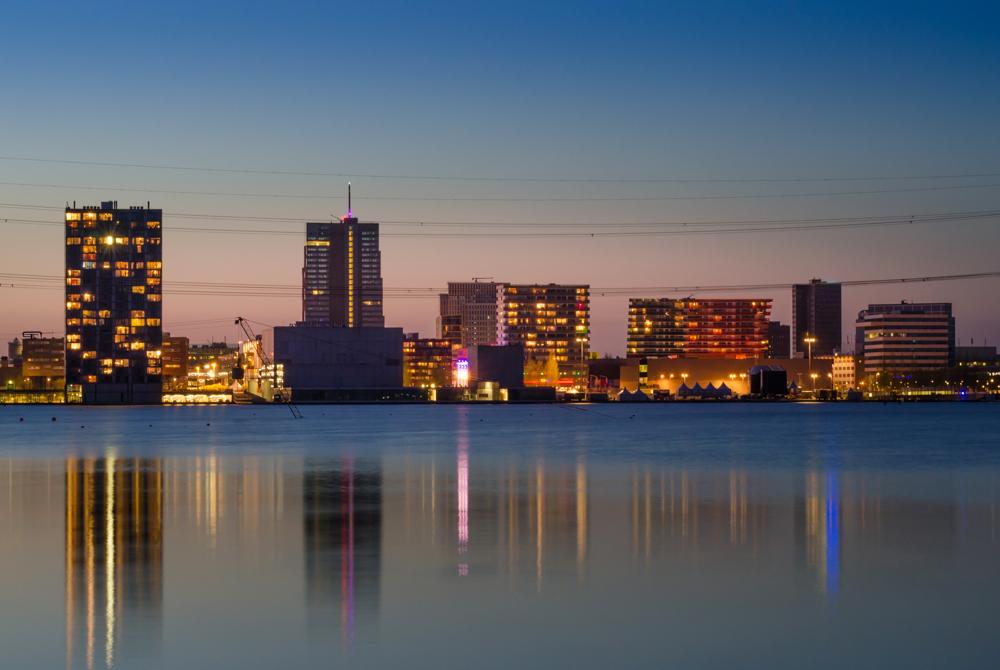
(427, 362)
(552, 322)
(114, 274)
(730, 328)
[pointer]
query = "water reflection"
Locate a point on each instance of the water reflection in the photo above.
(350, 551)
(342, 533)
(818, 528)
(114, 558)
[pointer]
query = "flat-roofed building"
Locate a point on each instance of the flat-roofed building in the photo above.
(779, 340)
(905, 337)
(324, 359)
(844, 371)
(427, 362)
(552, 323)
(728, 328)
(468, 313)
(114, 275)
(816, 313)
(43, 361)
(670, 374)
(175, 362)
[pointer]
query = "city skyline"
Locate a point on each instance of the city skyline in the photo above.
(880, 110)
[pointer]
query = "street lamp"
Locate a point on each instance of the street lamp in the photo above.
(810, 340)
(813, 375)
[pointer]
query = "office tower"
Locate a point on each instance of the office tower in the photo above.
(779, 340)
(552, 323)
(816, 313)
(905, 337)
(114, 271)
(342, 275)
(733, 328)
(426, 362)
(468, 313)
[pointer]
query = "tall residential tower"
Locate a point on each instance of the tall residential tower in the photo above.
(342, 274)
(114, 306)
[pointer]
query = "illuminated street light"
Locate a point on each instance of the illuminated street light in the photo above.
(810, 340)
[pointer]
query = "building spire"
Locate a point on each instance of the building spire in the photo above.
(350, 212)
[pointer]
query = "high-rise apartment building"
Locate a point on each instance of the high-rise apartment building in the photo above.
(733, 328)
(816, 313)
(342, 274)
(114, 274)
(468, 313)
(905, 337)
(552, 322)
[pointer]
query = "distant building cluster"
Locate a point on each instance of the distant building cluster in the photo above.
(495, 340)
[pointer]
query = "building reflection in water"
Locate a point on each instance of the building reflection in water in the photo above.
(114, 559)
(342, 530)
(515, 517)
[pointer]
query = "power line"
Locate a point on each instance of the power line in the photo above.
(253, 290)
(686, 229)
(517, 179)
(492, 224)
(377, 198)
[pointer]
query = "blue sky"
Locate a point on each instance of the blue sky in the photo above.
(546, 90)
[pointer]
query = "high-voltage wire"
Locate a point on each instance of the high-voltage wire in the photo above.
(501, 178)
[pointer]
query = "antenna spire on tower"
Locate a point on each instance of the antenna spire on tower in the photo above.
(350, 213)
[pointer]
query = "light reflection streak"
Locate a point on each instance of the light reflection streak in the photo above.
(462, 493)
(109, 557)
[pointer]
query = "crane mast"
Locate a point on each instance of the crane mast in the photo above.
(259, 347)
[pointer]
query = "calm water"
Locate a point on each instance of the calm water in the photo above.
(688, 536)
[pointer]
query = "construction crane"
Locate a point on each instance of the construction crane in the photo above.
(253, 337)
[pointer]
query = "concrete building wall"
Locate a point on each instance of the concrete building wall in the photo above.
(340, 358)
(502, 364)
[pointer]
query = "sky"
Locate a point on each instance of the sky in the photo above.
(594, 116)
